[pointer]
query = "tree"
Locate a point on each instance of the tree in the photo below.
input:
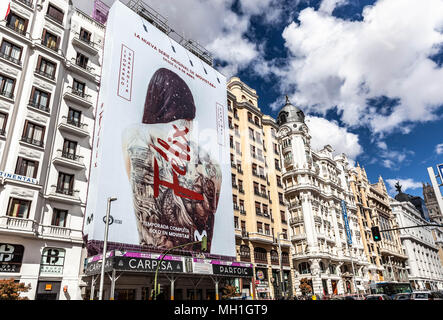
(10, 290)
(305, 287)
(229, 292)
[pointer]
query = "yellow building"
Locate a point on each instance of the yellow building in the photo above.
(387, 258)
(261, 226)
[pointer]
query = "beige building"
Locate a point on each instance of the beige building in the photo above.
(261, 225)
(387, 260)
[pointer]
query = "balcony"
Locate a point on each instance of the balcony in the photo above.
(298, 237)
(69, 160)
(74, 127)
(7, 94)
(45, 75)
(18, 224)
(55, 232)
(78, 97)
(36, 143)
(68, 196)
(82, 69)
(242, 211)
(296, 220)
(20, 29)
(28, 3)
(39, 107)
(85, 44)
(9, 58)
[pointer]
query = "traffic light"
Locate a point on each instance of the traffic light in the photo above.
(376, 234)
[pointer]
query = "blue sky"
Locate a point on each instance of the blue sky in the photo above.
(367, 73)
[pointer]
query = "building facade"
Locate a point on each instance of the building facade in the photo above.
(261, 224)
(318, 193)
(387, 259)
(50, 68)
(425, 269)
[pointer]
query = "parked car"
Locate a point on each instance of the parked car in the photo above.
(354, 297)
(425, 295)
(402, 296)
(377, 297)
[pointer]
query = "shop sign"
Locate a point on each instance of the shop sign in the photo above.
(147, 265)
(52, 261)
(232, 270)
(11, 256)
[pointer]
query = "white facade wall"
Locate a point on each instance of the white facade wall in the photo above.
(315, 183)
(425, 269)
(37, 230)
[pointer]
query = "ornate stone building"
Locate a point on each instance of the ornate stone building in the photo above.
(387, 260)
(261, 226)
(316, 184)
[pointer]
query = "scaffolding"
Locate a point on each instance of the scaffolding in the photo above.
(161, 23)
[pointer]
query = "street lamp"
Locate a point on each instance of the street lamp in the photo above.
(105, 245)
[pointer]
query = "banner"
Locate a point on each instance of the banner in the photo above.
(345, 219)
(160, 143)
(5, 8)
(11, 256)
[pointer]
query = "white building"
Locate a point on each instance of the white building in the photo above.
(315, 183)
(425, 268)
(50, 61)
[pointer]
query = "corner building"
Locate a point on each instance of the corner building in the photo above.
(260, 218)
(50, 57)
(315, 185)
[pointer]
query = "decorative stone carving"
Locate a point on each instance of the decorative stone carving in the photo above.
(29, 153)
(22, 193)
(37, 118)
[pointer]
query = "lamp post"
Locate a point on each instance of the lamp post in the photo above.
(105, 245)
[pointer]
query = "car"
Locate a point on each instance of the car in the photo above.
(354, 297)
(377, 297)
(402, 296)
(425, 295)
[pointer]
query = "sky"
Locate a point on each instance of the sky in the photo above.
(368, 74)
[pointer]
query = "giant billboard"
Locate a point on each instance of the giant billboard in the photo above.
(160, 143)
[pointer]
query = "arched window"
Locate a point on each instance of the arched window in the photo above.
(249, 117)
(274, 257)
(322, 266)
(303, 268)
(245, 253)
(332, 269)
(285, 258)
(260, 255)
(257, 121)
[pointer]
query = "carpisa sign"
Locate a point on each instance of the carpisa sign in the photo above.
(147, 265)
(160, 143)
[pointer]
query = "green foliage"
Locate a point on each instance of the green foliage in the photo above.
(10, 290)
(304, 286)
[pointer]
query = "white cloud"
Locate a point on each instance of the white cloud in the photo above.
(406, 184)
(340, 64)
(213, 24)
(328, 6)
(325, 132)
(439, 148)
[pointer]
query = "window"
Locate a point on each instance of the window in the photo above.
(283, 217)
(69, 149)
(303, 268)
(55, 13)
(33, 134)
(82, 60)
(260, 255)
(249, 117)
(242, 205)
(245, 253)
(50, 40)
(78, 88)
(254, 169)
(236, 223)
(237, 133)
(7, 87)
(267, 230)
(3, 121)
(85, 35)
(65, 183)
(251, 134)
(46, 68)
(274, 257)
(40, 99)
(243, 226)
(19, 208)
(257, 208)
(277, 164)
(11, 52)
(259, 227)
(285, 233)
(27, 168)
(59, 218)
(230, 123)
(17, 23)
(74, 117)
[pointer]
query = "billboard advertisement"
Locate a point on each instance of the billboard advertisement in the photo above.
(345, 219)
(160, 143)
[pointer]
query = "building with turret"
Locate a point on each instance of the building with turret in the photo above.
(327, 247)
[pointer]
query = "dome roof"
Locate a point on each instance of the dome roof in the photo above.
(290, 113)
